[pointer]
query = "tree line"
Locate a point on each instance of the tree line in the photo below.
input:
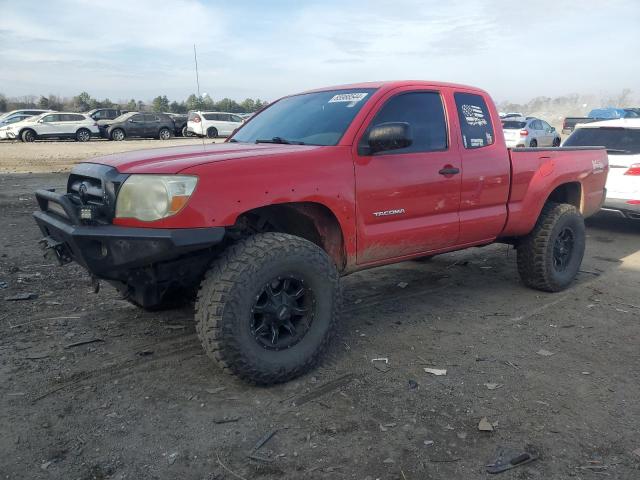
(84, 102)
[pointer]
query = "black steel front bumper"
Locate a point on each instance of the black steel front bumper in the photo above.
(105, 250)
(146, 262)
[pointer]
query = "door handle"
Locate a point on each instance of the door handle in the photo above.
(449, 171)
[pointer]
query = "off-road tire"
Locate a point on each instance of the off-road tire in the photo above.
(212, 132)
(28, 135)
(232, 285)
(116, 136)
(83, 135)
(536, 251)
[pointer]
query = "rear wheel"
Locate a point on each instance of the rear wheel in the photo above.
(556, 142)
(212, 132)
(533, 143)
(164, 134)
(268, 307)
(83, 135)
(28, 136)
(550, 256)
(117, 135)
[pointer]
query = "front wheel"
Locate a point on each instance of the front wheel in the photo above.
(268, 307)
(117, 135)
(556, 142)
(28, 136)
(185, 132)
(83, 135)
(550, 256)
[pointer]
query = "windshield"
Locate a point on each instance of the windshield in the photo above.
(319, 118)
(513, 125)
(619, 140)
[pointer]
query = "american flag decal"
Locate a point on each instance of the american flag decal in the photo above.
(473, 115)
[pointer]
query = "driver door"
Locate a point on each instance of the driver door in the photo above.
(408, 199)
(136, 126)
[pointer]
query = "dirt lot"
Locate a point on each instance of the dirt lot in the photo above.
(140, 400)
(44, 156)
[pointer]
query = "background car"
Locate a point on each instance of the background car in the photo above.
(141, 125)
(105, 113)
(622, 139)
(181, 123)
(213, 124)
(531, 132)
(54, 125)
(10, 120)
(26, 111)
(569, 123)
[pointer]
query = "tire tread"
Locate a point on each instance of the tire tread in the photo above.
(215, 300)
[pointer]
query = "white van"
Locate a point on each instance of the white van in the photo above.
(213, 124)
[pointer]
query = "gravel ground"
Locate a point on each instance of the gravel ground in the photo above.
(555, 374)
(59, 156)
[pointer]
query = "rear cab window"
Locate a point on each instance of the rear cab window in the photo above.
(475, 122)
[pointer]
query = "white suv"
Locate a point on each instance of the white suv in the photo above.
(54, 125)
(621, 138)
(213, 124)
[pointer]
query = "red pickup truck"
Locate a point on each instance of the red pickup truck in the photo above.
(318, 185)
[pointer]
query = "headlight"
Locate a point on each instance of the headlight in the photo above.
(152, 197)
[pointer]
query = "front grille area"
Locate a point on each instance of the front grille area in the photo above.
(94, 187)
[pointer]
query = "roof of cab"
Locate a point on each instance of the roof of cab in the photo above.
(391, 84)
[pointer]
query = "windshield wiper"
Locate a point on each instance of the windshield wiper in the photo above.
(618, 150)
(279, 140)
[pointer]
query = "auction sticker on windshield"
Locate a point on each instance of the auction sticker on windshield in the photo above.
(351, 98)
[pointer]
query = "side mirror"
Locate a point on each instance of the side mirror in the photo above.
(553, 129)
(131, 120)
(389, 136)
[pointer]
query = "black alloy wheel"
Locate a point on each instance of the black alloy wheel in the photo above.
(282, 313)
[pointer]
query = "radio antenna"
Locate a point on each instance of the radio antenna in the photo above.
(195, 59)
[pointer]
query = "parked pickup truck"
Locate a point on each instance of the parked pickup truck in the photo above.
(598, 114)
(317, 185)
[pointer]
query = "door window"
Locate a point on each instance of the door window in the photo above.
(475, 121)
(424, 113)
(137, 118)
(51, 118)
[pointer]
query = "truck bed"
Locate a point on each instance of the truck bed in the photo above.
(537, 171)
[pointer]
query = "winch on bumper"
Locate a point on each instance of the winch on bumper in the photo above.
(144, 263)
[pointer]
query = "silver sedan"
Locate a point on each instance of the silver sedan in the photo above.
(529, 132)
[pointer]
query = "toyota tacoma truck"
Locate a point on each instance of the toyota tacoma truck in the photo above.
(259, 229)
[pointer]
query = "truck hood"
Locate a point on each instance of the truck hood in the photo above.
(173, 160)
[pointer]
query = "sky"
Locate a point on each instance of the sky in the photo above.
(516, 50)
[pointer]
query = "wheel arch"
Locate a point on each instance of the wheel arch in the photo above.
(570, 192)
(24, 129)
(309, 220)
